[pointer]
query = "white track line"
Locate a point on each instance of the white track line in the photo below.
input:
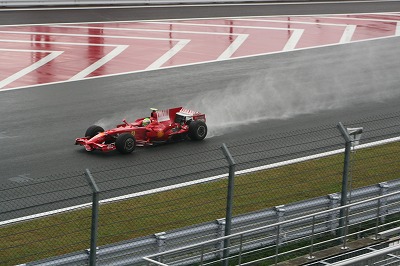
(191, 64)
(233, 47)
(111, 55)
(149, 6)
(60, 43)
(346, 37)
(51, 56)
(397, 29)
(289, 46)
(202, 18)
(293, 40)
(185, 19)
(115, 52)
(361, 19)
(348, 34)
(168, 55)
(91, 35)
(199, 181)
(293, 22)
(156, 64)
(225, 55)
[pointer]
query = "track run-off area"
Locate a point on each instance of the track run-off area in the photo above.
(51, 53)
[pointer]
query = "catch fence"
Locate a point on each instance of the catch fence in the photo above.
(187, 192)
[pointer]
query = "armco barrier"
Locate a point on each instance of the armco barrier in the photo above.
(33, 3)
(131, 252)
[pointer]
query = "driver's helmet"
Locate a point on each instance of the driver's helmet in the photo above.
(146, 121)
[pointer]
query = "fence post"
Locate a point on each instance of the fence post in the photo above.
(332, 217)
(229, 202)
(280, 213)
(382, 203)
(161, 242)
(95, 218)
(351, 136)
(220, 233)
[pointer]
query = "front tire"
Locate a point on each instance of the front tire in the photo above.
(125, 143)
(93, 131)
(197, 130)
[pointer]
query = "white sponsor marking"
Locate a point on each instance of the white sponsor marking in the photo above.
(200, 181)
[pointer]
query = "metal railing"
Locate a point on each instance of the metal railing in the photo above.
(308, 228)
(23, 3)
(259, 229)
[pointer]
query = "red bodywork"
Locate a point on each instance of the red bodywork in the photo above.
(165, 125)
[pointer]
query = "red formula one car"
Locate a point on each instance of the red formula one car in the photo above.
(162, 126)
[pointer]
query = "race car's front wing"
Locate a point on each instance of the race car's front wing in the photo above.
(90, 145)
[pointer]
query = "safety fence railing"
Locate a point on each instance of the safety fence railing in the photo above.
(184, 193)
(292, 237)
(35, 3)
(294, 227)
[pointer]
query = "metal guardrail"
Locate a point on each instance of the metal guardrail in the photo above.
(33, 3)
(294, 222)
(282, 232)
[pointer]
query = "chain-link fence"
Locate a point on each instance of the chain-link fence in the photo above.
(52, 216)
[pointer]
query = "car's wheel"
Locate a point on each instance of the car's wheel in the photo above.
(197, 130)
(125, 143)
(93, 131)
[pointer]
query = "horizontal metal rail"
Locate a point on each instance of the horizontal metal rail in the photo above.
(274, 225)
(258, 228)
(364, 260)
(24, 3)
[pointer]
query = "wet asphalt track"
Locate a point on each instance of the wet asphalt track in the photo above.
(38, 125)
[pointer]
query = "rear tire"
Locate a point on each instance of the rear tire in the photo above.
(197, 130)
(125, 143)
(93, 131)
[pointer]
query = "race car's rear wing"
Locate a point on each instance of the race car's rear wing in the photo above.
(170, 114)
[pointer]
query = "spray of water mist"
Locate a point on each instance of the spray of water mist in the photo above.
(298, 88)
(329, 79)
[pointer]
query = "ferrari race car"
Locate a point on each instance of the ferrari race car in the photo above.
(162, 126)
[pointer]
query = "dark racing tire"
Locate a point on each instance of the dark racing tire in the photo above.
(197, 130)
(93, 131)
(125, 143)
